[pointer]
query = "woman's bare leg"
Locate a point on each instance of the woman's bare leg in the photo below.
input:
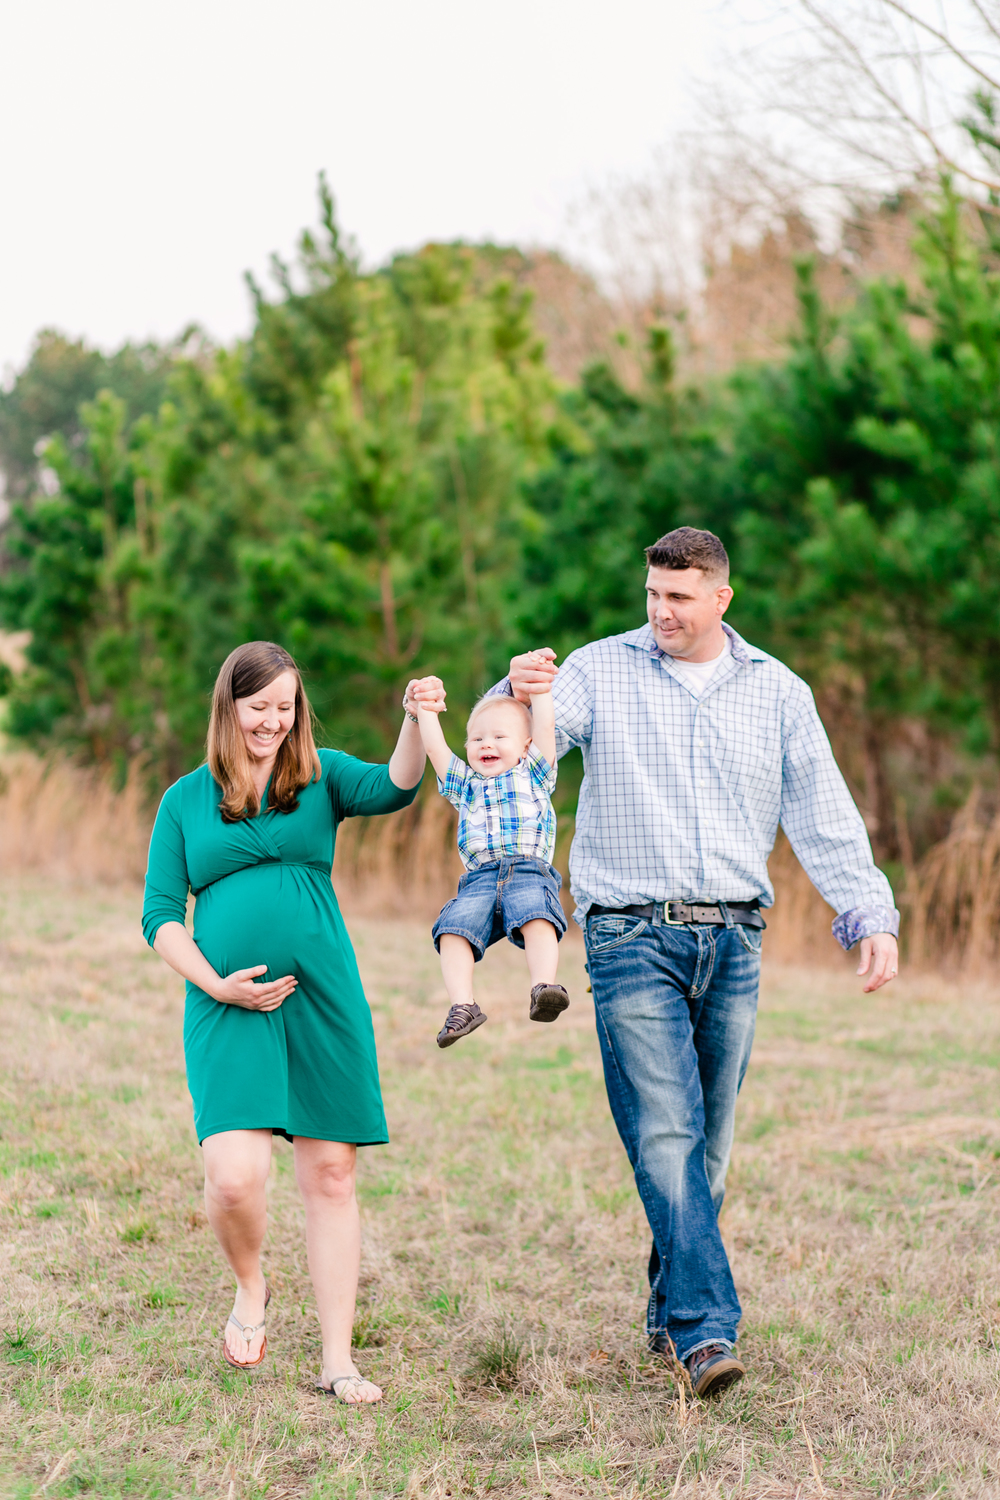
(325, 1172)
(236, 1166)
(458, 962)
(541, 949)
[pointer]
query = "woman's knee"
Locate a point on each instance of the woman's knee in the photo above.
(236, 1166)
(329, 1176)
(234, 1189)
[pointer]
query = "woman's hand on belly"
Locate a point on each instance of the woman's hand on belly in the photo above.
(239, 989)
(175, 944)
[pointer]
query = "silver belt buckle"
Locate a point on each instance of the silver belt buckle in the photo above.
(667, 919)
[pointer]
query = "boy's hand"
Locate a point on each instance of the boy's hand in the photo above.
(428, 693)
(533, 673)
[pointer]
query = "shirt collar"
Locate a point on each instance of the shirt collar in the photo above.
(644, 640)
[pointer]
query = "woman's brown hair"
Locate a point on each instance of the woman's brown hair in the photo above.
(244, 672)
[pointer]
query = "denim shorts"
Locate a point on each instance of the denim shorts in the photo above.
(496, 900)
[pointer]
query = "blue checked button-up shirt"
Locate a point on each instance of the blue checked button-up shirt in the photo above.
(506, 814)
(683, 795)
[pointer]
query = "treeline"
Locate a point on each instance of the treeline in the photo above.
(386, 477)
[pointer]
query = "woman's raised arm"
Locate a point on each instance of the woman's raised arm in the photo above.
(406, 764)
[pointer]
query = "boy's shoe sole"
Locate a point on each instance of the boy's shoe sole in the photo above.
(470, 1016)
(547, 1002)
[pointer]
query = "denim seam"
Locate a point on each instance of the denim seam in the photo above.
(471, 938)
(700, 985)
(620, 942)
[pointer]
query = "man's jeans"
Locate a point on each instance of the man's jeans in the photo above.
(676, 1008)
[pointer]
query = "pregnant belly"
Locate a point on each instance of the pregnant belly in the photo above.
(266, 914)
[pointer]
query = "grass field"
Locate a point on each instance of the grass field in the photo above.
(504, 1248)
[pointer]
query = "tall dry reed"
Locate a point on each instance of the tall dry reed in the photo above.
(72, 823)
(952, 897)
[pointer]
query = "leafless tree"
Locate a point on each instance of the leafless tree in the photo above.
(867, 94)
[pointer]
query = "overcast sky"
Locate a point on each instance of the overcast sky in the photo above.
(153, 152)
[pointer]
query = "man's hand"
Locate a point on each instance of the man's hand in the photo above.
(532, 673)
(428, 693)
(879, 960)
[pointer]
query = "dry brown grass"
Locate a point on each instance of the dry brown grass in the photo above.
(504, 1247)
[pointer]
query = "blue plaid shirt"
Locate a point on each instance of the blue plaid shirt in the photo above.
(506, 814)
(683, 795)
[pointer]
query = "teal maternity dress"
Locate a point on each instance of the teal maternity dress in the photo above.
(263, 894)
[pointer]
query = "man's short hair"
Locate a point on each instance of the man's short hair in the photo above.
(689, 548)
(500, 700)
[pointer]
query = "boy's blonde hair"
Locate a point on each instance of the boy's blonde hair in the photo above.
(500, 700)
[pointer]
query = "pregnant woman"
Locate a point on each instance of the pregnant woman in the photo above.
(277, 1032)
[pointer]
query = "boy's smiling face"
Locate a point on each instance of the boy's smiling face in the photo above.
(497, 738)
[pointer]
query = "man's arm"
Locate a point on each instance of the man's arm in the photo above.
(429, 696)
(829, 838)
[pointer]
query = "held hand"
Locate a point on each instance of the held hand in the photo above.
(429, 693)
(879, 960)
(239, 989)
(533, 672)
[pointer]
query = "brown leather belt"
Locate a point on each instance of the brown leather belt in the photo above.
(688, 914)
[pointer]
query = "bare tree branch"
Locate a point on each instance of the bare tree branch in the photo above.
(943, 37)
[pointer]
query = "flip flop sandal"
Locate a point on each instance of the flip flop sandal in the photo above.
(547, 1002)
(248, 1331)
(345, 1380)
(460, 1021)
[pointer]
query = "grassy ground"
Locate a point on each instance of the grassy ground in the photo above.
(504, 1248)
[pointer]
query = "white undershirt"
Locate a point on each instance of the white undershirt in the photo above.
(696, 675)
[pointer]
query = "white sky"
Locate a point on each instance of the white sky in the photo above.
(152, 152)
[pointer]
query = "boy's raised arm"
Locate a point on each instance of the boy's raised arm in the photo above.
(428, 694)
(543, 723)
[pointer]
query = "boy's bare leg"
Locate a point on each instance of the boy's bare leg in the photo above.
(541, 949)
(457, 964)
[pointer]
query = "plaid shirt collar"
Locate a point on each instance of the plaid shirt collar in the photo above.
(644, 640)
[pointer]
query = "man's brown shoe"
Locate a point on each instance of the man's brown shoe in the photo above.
(713, 1369)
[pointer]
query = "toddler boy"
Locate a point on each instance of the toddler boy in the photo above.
(506, 839)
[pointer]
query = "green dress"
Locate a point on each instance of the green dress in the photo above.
(263, 894)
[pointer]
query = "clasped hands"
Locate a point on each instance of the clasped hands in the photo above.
(425, 692)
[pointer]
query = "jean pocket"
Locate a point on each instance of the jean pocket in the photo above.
(751, 938)
(605, 933)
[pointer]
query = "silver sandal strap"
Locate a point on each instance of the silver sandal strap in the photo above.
(249, 1331)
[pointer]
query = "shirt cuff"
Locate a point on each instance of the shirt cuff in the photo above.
(864, 921)
(499, 688)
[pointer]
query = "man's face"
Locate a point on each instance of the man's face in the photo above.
(684, 608)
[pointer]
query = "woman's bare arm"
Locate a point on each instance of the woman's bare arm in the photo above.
(177, 947)
(429, 696)
(406, 765)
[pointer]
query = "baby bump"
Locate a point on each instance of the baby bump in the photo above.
(271, 914)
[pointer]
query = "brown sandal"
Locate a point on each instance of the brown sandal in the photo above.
(547, 1002)
(248, 1331)
(460, 1021)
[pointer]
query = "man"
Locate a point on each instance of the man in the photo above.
(695, 746)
